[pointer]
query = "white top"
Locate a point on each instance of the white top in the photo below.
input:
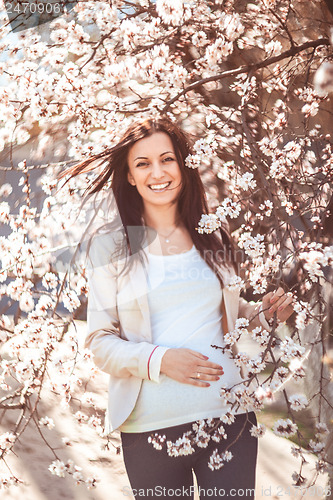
(184, 302)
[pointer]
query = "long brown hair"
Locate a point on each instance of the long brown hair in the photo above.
(215, 248)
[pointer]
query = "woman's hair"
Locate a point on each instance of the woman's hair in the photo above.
(216, 249)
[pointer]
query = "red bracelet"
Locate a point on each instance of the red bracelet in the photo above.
(149, 360)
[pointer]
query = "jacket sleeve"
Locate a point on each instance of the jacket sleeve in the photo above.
(112, 354)
(254, 313)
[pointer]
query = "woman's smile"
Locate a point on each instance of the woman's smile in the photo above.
(158, 188)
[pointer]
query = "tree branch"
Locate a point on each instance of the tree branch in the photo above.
(251, 67)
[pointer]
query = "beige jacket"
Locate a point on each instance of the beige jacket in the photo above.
(119, 330)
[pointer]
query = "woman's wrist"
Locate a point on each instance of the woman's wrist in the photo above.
(148, 363)
(154, 364)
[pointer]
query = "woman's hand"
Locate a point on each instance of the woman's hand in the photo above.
(184, 365)
(280, 302)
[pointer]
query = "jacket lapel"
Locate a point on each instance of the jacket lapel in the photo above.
(140, 290)
(230, 298)
(139, 282)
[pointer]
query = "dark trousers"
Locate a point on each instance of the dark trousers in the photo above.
(154, 474)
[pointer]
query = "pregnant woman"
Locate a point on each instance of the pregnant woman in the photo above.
(158, 303)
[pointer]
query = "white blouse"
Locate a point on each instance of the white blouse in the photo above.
(185, 308)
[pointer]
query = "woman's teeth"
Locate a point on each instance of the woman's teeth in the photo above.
(159, 187)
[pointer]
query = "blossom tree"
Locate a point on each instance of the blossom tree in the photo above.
(252, 83)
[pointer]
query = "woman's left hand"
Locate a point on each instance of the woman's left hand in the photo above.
(278, 301)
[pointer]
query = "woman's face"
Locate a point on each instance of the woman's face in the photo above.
(154, 170)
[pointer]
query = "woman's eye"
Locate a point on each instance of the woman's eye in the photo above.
(143, 163)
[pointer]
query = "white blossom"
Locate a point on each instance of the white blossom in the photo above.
(157, 440)
(228, 208)
(26, 302)
(193, 161)
(216, 460)
(4, 212)
(199, 39)
(180, 447)
(256, 365)
(314, 259)
(273, 47)
(7, 440)
(202, 438)
(322, 467)
(284, 428)
(44, 304)
(47, 422)
(171, 11)
(316, 446)
(281, 373)
(235, 283)
(91, 482)
(231, 24)
(78, 477)
(66, 441)
(322, 429)
(296, 451)
(50, 280)
(218, 51)
(5, 190)
(298, 478)
(81, 417)
(298, 402)
(260, 335)
(246, 181)
(57, 468)
(70, 300)
(264, 393)
(258, 430)
(252, 245)
(267, 206)
(227, 417)
(290, 349)
(208, 223)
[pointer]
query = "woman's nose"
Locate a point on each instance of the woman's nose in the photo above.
(157, 170)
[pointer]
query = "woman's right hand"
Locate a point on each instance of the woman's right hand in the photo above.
(184, 365)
